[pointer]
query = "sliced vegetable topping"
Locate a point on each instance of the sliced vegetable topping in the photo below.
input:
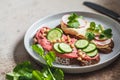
(81, 43)
(59, 30)
(93, 53)
(57, 48)
(89, 48)
(54, 34)
(65, 47)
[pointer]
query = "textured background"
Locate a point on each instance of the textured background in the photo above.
(16, 16)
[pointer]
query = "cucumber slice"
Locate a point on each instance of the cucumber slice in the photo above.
(81, 43)
(59, 30)
(54, 34)
(57, 48)
(90, 47)
(65, 47)
(93, 53)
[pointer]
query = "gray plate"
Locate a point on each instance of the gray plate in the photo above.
(55, 19)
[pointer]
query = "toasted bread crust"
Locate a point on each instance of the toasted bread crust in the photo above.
(70, 31)
(85, 60)
(106, 48)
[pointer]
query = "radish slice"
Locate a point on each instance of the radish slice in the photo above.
(98, 39)
(65, 18)
(82, 22)
(105, 42)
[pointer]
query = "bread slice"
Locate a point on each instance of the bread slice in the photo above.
(81, 59)
(105, 46)
(86, 60)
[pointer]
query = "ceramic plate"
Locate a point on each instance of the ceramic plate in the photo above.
(54, 20)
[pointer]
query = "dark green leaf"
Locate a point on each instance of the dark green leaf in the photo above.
(101, 36)
(58, 74)
(92, 25)
(90, 35)
(12, 76)
(106, 33)
(73, 24)
(73, 16)
(22, 71)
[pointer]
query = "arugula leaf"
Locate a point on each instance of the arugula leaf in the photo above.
(90, 35)
(73, 22)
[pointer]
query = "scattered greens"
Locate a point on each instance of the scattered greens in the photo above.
(25, 71)
(73, 22)
(98, 29)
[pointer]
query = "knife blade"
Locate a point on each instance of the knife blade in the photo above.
(103, 10)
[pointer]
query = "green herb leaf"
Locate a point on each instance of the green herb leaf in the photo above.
(38, 49)
(90, 36)
(106, 33)
(101, 36)
(58, 74)
(73, 16)
(48, 57)
(37, 75)
(73, 22)
(92, 25)
(22, 71)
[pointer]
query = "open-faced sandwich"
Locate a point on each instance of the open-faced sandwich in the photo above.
(78, 26)
(75, 41)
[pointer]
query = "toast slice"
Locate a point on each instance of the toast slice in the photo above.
(79, 32)
(104, 46)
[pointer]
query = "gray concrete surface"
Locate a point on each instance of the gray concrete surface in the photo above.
(16, 16)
